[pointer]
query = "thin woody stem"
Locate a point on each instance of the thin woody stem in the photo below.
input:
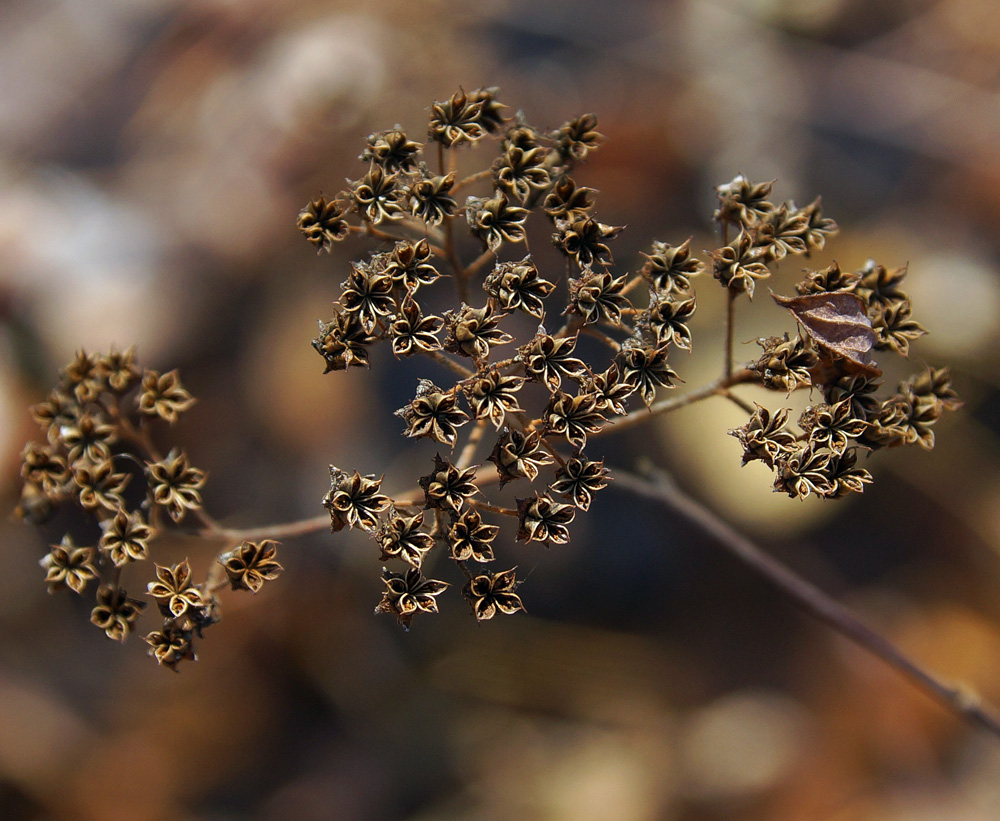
(469, 451)
(811, 599)
(472, 178)
(720, 387)
(730, 323)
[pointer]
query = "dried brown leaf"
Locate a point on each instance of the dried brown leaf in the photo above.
(839, 324)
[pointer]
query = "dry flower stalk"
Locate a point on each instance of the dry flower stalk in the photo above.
(529, 403)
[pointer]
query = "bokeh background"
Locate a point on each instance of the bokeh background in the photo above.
(153, 157)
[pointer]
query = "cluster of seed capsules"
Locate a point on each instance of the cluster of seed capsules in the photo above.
(99, 474)
(412, 211)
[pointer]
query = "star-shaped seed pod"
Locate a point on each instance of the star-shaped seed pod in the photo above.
(786, 363)
(401, 538)
(125, 537)
(82, 378)
(433, 413)
(579, 479)
(740, 264)
(409, 265)
(596, 296)
(392, 150)
(668, 320)
(323, 224)
(343, 342)
(743, 202)
(547, 359)
(567, 200)
(573, 417)
(495, 221)
(471, 538)
(174, 592)
(457, 120)
(519, 455)
(493, 395)
(118, 369)
(431, 200)
(669, 268)
(473, 331)
(367, 294)
(407, 594)
(376, 196)
(412, 332)
(115, 612)
(171, 645)
(646, 368)
(521, 173)
(518, 286)
(578, 137)
(584, 239)
(43, 466)
(845, 477)
(67, 565)
(828, 280)
(803, 470)
(87, 439)
(163, 395)
(491, 593)
(99, 485)
(446, 487)
(251, 564)
(832, 426)
(354, 501)
(764, 436)
(540, 519)
(609, 390)
(174, 484)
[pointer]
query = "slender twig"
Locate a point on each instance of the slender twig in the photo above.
(730, 323)
(469, 451)
(479, 175)
(811, 599)
(717, 388)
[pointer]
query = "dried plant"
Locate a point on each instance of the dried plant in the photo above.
(514, 432)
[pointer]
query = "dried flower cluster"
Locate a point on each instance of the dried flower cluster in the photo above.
(99, 457)
(523, 392)
(543, 358)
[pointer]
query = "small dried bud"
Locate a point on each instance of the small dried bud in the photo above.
(433, 413)
(670, 268)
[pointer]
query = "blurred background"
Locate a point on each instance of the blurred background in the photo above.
(154, 155)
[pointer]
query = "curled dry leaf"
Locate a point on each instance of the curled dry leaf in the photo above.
(839, 324)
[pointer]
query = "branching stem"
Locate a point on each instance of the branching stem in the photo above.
(810, 598)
